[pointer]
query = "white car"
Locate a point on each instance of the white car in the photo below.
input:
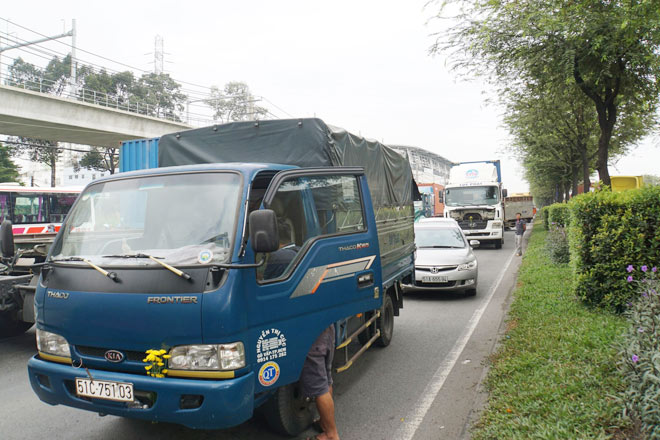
(444, 260)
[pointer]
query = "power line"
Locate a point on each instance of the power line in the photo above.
(55, 53)
(206, 89)
(96, 55)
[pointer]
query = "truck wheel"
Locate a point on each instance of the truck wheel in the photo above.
(498, 244)
(288, 412)
(10, 326)
(386, 322)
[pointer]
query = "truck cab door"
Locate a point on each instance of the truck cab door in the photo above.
(327, 266)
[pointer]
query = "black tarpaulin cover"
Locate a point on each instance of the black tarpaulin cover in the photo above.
(302, 142)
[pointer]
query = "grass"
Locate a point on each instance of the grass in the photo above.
(554, 375)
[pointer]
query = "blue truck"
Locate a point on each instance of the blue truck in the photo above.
(226, 251)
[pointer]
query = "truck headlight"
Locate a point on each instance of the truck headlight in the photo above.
(497, 224)
(467, 266)
(207, 357)
(53, 344)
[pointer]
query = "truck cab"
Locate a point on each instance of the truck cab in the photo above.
(229, 270)
(475, 199)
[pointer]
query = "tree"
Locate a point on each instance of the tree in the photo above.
(650, 179)
(555, 126)
(41, 151)
(57, 75)
(160, 95)
(25, 75)
(101, 159)
(608, 49)
(8, 169)
(234, 103)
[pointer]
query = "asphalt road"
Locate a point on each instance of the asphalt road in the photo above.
(425, 385)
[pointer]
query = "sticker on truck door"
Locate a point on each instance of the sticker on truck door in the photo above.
(271, 345)
(315, 276)
(269, 373)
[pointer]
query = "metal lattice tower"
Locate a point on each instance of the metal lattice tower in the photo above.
(159, 55)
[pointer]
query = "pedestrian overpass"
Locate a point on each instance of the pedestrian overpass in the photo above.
(38, 115)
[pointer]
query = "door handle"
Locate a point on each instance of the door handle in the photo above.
(365, 279)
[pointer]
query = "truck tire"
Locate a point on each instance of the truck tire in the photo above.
(385, 323)
(288, 412)
(498, 244)
(10, 326)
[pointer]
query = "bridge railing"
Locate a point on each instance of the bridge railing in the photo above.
(64, 89)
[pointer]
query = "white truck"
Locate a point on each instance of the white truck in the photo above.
(518, 203)
(475, 199)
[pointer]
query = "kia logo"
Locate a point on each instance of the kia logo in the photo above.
(114, 356)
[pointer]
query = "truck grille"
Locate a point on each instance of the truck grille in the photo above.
(439, 268)
(474, 224)
(131, 355)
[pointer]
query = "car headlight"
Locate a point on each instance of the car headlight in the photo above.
(467, 266)
(53, 344)
(207, 357)
(497, 224)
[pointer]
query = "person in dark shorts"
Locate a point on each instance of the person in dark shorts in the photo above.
(316, 382)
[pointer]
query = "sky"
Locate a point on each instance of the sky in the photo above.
(361, 65)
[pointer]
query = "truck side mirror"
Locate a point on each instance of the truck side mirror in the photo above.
(504, 193)
(263, 231)
(6, 239)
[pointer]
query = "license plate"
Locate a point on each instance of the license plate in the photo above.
(434, 279)
(104, 389)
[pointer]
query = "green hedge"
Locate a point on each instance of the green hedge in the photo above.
(544, 216)
(608, 232)
(558, 214)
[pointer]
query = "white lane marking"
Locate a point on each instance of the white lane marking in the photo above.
(415, 418)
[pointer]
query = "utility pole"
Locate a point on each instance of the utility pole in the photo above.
(74, 61)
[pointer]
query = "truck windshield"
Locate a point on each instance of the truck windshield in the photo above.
(177, 218)
(471, 195)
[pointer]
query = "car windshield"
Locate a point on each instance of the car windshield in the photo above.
(450, 237)
(176, 218)
(471, 195)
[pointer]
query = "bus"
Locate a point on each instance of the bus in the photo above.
(35, 210)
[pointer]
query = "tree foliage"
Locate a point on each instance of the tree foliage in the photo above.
(8, 169)
(41, 151)
(100, 159)
(156, 95)
(606, 50)
(234, 102)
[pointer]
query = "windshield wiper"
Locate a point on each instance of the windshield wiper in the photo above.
(182, 274)
(111, 275)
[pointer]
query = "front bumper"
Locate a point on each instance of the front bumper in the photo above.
(483, 235)
(457, 280)
(225, 403)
